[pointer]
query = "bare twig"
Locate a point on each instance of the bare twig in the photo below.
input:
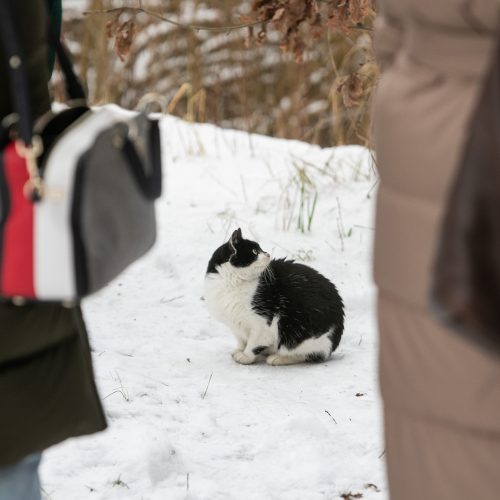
(340, 224)
(330, 53)
(45, 495)
(121, 390)
(326, 411)
(119, 482)
(166, 301)
(206, 390)
(368, 195)
(196, 27)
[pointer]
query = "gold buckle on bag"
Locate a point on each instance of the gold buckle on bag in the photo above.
(34, 189)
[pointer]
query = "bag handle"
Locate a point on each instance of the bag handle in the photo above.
(74, 88)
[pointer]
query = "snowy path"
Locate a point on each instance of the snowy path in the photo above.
(307, 432)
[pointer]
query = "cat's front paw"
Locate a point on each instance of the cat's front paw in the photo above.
(238, 349)
(277, 359)
(244, 359)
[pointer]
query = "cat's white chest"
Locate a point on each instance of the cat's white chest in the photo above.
(230, 301)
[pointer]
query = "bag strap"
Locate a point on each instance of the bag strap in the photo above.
(18, 80)
(74, 88)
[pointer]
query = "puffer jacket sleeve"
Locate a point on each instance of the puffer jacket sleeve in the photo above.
(33, 38)
(388, 38)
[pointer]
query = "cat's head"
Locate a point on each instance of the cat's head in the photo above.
(244, 258)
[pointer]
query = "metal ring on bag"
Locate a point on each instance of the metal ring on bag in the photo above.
(10, 120)
(33, 188)
(147, 100)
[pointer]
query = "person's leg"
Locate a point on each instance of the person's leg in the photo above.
(20, 481)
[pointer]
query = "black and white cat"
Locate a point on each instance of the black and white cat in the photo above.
(276, 308)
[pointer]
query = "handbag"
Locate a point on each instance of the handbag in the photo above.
(77, 188)
(465, 292)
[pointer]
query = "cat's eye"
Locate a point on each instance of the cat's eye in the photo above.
(255, 252)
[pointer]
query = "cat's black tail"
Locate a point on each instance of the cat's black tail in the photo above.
(336, 335)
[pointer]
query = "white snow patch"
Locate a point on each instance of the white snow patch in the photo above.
(185, 420)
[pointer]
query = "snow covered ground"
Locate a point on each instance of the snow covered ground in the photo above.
(186, 421)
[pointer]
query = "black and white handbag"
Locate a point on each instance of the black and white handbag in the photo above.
(77, 189)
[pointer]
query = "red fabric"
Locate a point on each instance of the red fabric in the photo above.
(18, 260)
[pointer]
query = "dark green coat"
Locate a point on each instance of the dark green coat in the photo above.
(47, 388)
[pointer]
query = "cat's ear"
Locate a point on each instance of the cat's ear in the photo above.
(236, 237)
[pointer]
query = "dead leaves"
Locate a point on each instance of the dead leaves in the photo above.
(351, 496)
(359, 10)
(123, 39)
(345, 15)
(278, 14)
(123, 34)
(297, 20)
(371, 486)
(355, 87)
(287, 17)
(301, 22)
(350, 87)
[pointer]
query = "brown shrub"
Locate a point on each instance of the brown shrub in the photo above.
(304, 71)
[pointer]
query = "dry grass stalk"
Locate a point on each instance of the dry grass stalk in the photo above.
(325, 99)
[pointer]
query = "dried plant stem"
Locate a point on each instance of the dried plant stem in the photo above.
(340, 224)
(196, 27)
(326, 411)
(208, 76)
(206, 390)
